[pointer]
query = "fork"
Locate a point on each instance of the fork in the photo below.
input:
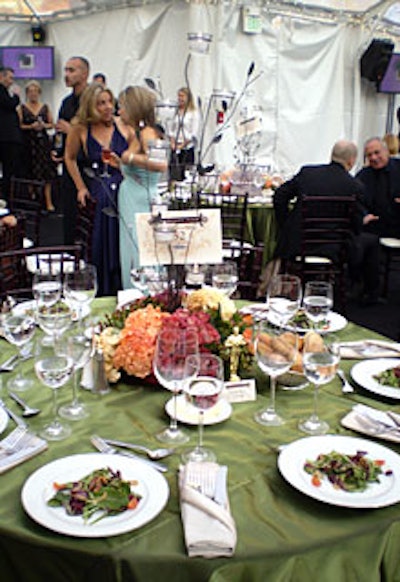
(347, 388)
(14, 441)
(103, 447)
(376, 427)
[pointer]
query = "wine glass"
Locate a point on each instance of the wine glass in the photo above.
(46, 289)
(320, 364)
(80, 288)
(275, 354)
(284, 297)
(195, 276)
(205, 380)
(172, 349)
(318, 301)
(19, 330)
(78, 348)
(54, 372)
(54, 319)
(225, 277)
(105, 158)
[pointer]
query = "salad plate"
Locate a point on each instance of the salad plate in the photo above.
(38, 489)
(335, 322)
(189, 414)
(3, 419)
(363, 374)
(29, 308)
(292, 458)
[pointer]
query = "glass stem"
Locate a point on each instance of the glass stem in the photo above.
(314, 415)
(201, 427)
(173, 424)
(271, 406)
(55, 406)
(75, 387)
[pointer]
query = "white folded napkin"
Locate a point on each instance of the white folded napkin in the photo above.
(208, 525)
(29, 446)
(126, 296)
(373, 422)
(369, 348)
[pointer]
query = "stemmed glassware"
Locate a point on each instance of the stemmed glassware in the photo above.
(318, 300)
(46, 289)
(320, 364)
(54, 319)
(205, 380)
(225, 277)
(19, 330)
(80, 288)
(275, 354)
(105, 158)
(54, 372)
(78, 348)
(172, 349)
(284, 297)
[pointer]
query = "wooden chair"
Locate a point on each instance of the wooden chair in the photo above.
(326, 228)
(233, 217)
(391, 249)
(17, 266)
(250, 270)
(27, 199)
(84, 228)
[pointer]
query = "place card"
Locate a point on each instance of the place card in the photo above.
(241, 391)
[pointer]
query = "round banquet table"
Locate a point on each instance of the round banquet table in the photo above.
(262, 228)
(283, 535)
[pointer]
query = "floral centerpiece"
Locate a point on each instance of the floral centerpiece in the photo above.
(128, 336)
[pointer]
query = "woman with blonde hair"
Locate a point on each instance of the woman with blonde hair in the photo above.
(183, 135)
(97, 140)
(35, 119)
(141, 174)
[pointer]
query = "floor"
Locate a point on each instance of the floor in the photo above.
(383, 318)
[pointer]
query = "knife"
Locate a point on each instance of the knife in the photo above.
(103, 447)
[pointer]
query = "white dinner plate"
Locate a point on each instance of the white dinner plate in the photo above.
(336, 322)
(30, 306)
(260, 310)
(3, 419)
(291, 465)
(189, 414)
(38, 489)
(363, 374)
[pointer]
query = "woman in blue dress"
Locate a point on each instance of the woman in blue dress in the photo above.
(95, 131)
(141, 175)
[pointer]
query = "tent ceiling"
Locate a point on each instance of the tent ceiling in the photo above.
(51, 10)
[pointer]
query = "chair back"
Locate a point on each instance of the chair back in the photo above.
(233, 209)
(250, 270)
(12, 237)
(27, 199)
(84, 228)
(17, 266)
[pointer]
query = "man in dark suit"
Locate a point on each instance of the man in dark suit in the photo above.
(76, 76)
(381, 182)
(10, 133)
(331, 179)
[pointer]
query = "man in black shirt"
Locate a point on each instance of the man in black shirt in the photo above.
(76, 76)
(10, 132)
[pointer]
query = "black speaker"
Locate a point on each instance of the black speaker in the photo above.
(38, 33)
(375, 60)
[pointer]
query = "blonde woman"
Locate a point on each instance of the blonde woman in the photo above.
(184, 134)
(93, 132)
(141, 175)
(35, 120)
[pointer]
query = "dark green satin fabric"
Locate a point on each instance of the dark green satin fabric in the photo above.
(282, 535)
(262, 228)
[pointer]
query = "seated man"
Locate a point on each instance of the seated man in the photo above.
(381, 195)
(331, 179)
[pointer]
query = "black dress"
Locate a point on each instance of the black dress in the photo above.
(37, 146)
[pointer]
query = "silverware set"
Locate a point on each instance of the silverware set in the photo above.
(102, 446)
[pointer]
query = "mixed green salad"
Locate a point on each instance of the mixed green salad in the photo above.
(103, 491)
(301, 321)
(390, 377)
(347, 472)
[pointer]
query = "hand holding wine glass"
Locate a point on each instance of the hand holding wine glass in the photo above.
(284, 297)
(318, 300)
(320, 362)
(205, 380)
(275, 353)
(105, 158)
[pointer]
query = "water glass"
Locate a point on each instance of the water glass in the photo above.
(19, 330)
(225, 277)
(318, 301)
(284, 297)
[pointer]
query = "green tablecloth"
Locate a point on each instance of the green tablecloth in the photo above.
(282, 534)
(262, 228)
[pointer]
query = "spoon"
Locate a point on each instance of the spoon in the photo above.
(27, 410)
(151, 453)
(347, 388)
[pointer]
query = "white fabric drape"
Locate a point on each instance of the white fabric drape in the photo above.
(310, 92)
